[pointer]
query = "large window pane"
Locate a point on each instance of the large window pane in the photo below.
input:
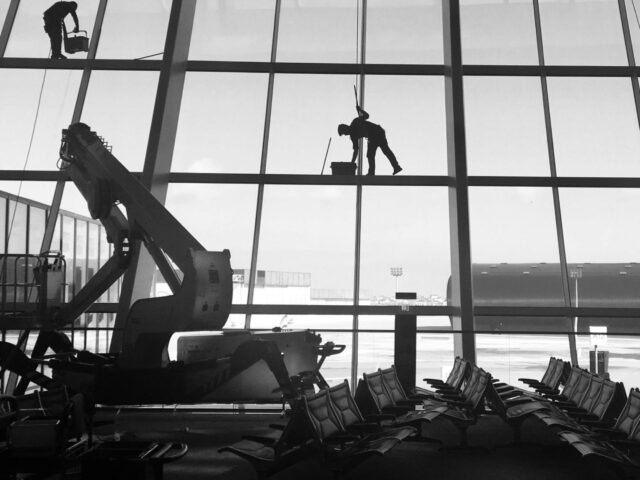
(375, 350)
(411, 110)
(505, 128)
(515, 226)
(238, 30)
(306, 112)
(434, 356)
(17, 231)
(595, 127)
(600, 231)
(28, 38)
(307, 243)
(221, 123)
(134, 29)
(404, 31)
(37, 225)
(498, 32)
(337, 368)
(229, 222)
(509, 357)
(318, 31)
(588, 32)
(123, 119)
(25, 112)
(404, 228)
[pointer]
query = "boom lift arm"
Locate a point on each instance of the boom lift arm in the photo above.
(200, 301)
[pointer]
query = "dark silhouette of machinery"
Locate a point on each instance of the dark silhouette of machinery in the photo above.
(201, 284)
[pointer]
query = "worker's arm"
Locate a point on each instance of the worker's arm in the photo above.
(355, 149)
(75, 20)
(361, 113)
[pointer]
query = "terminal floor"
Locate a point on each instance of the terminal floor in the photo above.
(541, 456)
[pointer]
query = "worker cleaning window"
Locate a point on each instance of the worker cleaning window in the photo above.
(54, 23)
(376, 137)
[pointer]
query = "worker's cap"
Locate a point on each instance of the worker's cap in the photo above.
(343, 129)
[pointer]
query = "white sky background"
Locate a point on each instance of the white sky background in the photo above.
(312, 229)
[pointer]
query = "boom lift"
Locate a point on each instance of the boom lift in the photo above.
(201, 300)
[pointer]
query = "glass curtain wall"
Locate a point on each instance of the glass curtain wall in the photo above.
(549, 147)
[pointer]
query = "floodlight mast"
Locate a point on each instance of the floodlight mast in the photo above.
(201, 301)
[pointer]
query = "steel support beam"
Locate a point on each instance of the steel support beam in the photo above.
(461, 282)
(7, 26)
(164, 124)
(562, 254)
(263, 166)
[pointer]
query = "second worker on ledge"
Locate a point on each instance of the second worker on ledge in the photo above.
(360, 127)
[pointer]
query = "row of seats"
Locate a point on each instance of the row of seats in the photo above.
(327, 424)
(591, 413)
(343, 430)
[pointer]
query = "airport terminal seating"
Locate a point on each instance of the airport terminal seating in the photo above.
(339, 449)
(557, 372)
(327, 424)
(374, 396)
(616, 444)
(599, 406)
(279, 450)
(459, 374)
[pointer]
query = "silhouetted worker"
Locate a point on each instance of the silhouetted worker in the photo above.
(53, 24)
(376, 137)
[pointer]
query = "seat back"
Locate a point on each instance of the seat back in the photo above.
(495, 401)
(454, 371)
(589, 399)
(572, 381)
(344, 404)
(601, 405)
(322, 416)
(556, 374)
(375, 384)
(391, 381)
(471, 384)
(477, 395)
(581, 388)
(634, 435)
(551, 368)
(461, 374)
(630, 413)
(566, 372)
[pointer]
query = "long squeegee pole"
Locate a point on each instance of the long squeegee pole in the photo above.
(355, 92)
(325, 156)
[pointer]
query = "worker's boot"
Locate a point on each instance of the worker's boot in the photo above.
(58, 56)
(397, 169)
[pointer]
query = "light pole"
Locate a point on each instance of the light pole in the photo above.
(576, 274)
(396, 272)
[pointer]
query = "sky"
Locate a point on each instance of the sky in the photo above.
(312, 228)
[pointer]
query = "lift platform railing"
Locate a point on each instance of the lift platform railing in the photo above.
(29, 285)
